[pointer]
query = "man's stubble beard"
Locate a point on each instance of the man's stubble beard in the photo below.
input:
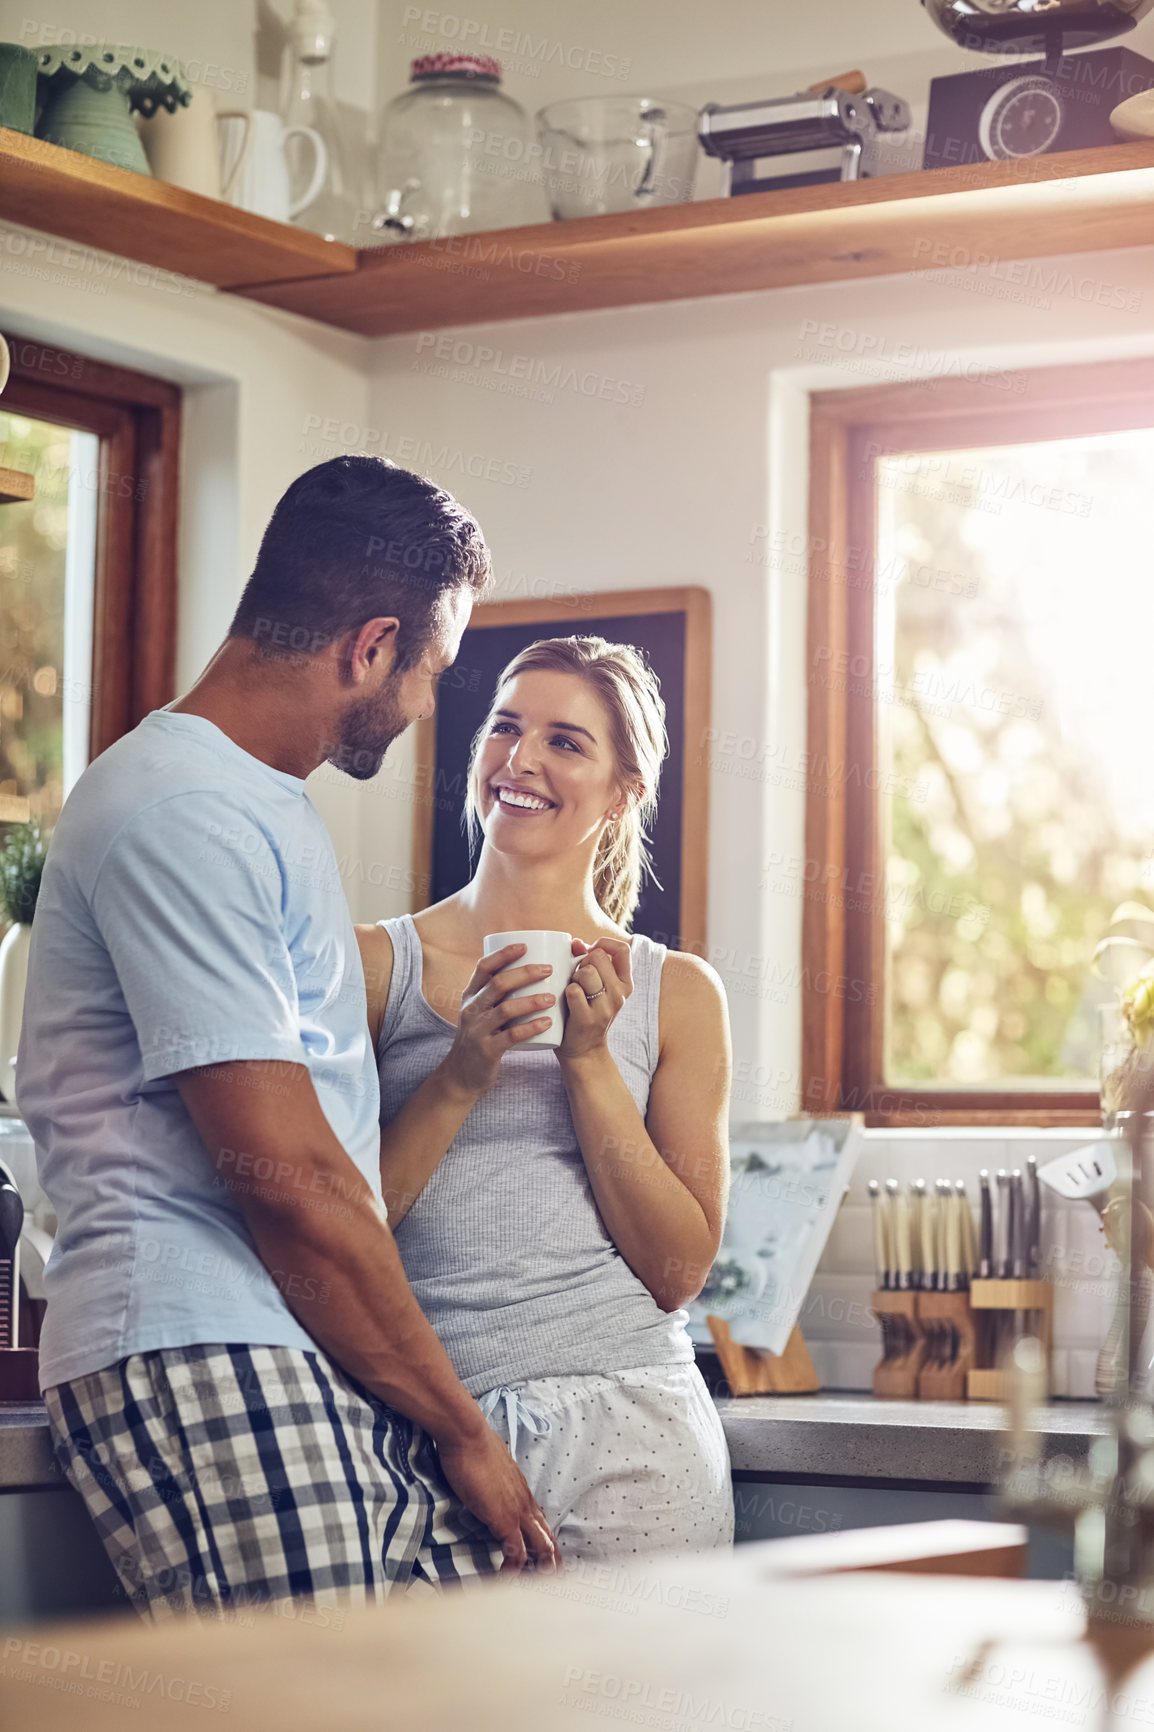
(368, 729)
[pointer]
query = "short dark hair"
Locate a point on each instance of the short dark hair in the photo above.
(353, 539)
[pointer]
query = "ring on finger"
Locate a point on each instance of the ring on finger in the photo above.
(590, 996)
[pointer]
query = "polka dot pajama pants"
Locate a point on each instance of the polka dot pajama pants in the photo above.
(624, 1463)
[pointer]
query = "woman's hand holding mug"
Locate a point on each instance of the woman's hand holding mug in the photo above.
(490, 1007)
(601, 983)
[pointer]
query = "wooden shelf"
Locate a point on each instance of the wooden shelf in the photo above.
(90, 203)
(1073, 202)
(16, 486)
(1081, 201)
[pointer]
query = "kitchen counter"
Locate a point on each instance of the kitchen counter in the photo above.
(856, 1437)
(25, 1452)
(811, 1436)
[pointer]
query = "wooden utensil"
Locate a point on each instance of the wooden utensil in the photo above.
(853, 82)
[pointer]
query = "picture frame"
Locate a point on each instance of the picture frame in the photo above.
(674, 628)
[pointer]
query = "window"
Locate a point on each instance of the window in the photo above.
(87, 568)
(982, 790)
(47, 571)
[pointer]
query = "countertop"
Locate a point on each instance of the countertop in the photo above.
(695, 1642)
(827, 1435)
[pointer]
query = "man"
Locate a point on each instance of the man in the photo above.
(239, 1382)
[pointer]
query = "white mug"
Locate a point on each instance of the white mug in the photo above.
(254, 168)
(555, 948)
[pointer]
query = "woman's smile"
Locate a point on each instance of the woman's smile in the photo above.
(522, 802)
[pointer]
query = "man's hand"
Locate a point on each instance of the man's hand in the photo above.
(490, 1484)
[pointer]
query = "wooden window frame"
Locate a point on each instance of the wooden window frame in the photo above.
(137, 419)
(842, 1036)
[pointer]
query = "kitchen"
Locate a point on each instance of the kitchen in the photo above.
(596, 434)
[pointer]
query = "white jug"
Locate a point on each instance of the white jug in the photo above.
(254, 169)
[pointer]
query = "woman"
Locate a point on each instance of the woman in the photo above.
(556, 1209)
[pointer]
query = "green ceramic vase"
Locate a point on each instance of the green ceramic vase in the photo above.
(17, 87)
(97, 123)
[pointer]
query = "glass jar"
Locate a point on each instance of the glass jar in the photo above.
(456, 156)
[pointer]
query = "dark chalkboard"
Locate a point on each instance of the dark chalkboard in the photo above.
(669, 642)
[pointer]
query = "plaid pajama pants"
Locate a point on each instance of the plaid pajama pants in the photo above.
(226, 1476)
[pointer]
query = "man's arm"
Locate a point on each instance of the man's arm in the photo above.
(319, 1229)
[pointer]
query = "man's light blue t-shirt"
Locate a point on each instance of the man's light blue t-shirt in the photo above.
(191, 913)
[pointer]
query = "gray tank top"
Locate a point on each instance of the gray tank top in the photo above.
(505, 1248)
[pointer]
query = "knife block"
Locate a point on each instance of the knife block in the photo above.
(896, 1373)
(938, 1313)
(19, 1374)
(996, 1300)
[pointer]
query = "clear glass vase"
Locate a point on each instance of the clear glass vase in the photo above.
(1117, 1057)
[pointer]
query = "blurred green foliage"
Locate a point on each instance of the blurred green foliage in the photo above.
(21, 869)
(1003, 872)
(33, 539)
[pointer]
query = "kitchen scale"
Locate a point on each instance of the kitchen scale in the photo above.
(1031, 108)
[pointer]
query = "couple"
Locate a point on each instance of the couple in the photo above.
(259, 1391)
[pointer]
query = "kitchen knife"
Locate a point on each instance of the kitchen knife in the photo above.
(881, 1252)
(986, 1241)
(930, 1241)
(1034, 1216)
(969, 1248)
(1003, 1226)
(945, 1216)
(953, 1238)
(11, 1227)
(918, 1231)
(891, 1201)
(902, 1237)
(1018, 1226)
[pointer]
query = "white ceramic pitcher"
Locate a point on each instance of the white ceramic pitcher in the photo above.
(254, 168)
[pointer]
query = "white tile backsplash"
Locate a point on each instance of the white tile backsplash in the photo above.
(843, 1339)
